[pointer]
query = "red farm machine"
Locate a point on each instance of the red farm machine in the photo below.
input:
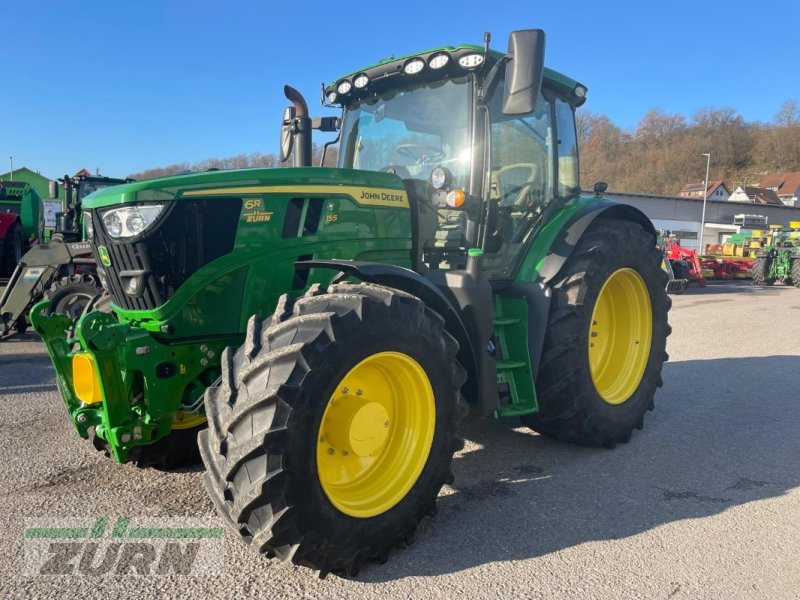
(681, 264)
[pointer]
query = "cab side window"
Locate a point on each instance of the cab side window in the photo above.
(568, 168)
(521, 145)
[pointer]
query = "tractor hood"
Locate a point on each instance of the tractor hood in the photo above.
(188, 186)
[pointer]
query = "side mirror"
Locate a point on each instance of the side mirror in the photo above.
(287, 134)
(599, 188)
(54, 189)
(524, 71)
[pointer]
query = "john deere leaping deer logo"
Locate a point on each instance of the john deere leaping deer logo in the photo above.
(104, 257)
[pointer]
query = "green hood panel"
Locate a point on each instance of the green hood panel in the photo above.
(178, 186)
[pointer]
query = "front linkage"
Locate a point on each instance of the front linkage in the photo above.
(110, 373)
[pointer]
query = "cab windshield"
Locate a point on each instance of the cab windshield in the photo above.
(89, 187)
(409, 131)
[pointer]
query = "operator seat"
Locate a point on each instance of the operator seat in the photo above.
(515, 181)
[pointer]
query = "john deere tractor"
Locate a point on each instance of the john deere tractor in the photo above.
(324, 328)
(779, 257)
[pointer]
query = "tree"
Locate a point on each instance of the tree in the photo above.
(788, 115)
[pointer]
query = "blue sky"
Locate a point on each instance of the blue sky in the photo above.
(123, 86)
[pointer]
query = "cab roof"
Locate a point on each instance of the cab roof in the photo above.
(393, 67)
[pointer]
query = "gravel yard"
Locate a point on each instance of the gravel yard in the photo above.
(702, 503)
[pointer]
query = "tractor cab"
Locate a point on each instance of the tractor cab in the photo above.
(481, 160)
(68, 219)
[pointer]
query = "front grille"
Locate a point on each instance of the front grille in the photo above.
(187, 236)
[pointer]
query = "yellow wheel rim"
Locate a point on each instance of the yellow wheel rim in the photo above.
(184, 420)
(619, 336)
(376, 434)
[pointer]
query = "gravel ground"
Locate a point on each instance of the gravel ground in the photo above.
(703, 503)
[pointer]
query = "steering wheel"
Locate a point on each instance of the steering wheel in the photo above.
(420, 153)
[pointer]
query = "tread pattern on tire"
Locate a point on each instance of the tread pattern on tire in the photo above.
(569, 407)
(796, 272)
(759, 271)
(72, 284)
(264, 402)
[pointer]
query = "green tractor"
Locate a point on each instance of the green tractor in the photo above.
(779, 257)
(61, 266)
(331, 325)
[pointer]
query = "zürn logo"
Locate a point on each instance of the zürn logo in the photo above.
(142, 546)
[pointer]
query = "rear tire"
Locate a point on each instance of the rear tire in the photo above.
(13, 245)
(760, 271)
(574, 404)
(265, 445)
(796, 272)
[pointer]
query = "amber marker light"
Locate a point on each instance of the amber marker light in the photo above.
(455, 199)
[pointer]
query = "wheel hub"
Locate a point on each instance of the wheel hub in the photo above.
(620, 335)
(357, 426)
(376, 434)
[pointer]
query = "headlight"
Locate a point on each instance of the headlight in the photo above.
(440, 177)
(437, 61)
(414, 66)
(344, 87)
(470, 61)
(128, 221)
(88, 225)
(361, 81)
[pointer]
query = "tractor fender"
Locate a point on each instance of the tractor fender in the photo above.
(538, 293)
(6, 221)
(571, 233)
(417, 285)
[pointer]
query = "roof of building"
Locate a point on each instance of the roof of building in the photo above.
(696, 189)
(22, 170)
(761, 195)
(787, 183)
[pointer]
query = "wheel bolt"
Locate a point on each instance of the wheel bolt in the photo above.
(345, 390)
(359, 392)
(386, 424)
(331, 451)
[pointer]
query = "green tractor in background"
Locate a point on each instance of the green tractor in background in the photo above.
(61, 267)
(331, 324)
(778, 259)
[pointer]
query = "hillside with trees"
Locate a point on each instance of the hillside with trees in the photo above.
(664, 152)
(660, 156)
(240, 161)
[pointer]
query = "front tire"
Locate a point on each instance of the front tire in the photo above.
(334, 426)
(606, 338)
(760, 271)
(71, 295)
